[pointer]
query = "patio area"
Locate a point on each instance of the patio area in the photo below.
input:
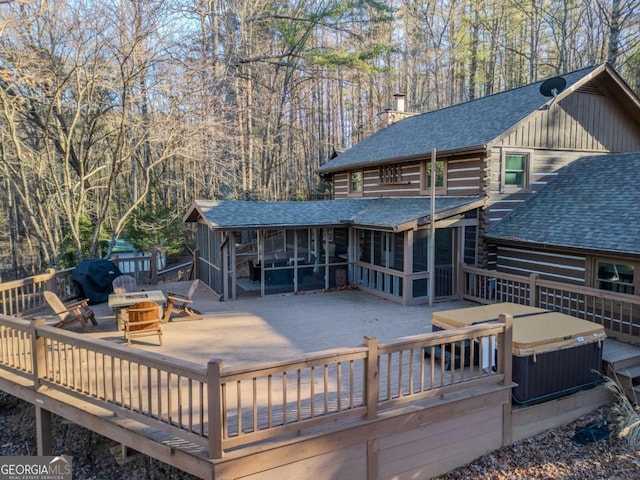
(254, 330)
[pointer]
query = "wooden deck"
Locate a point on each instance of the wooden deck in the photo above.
(379, 409)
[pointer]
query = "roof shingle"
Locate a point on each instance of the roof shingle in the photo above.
(384, 213)
(592, 204)
(472, 124)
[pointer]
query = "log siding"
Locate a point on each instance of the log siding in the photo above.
(555, 266)
(464, 176)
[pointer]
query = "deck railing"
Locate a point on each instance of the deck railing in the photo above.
(220, 410)
(273, 399)
(144, 269)
(167, 394)
(618, 313)
(25, 296)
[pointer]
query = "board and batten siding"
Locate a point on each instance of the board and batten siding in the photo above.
(555, 266)
(546, 164)
(586, 120)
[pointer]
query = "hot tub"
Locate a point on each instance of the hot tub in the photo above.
(553, 354)
(463, 317)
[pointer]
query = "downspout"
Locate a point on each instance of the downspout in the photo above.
(432, 231)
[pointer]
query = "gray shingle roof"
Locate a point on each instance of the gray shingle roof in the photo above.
(471, 124)
(592, 204)
(384, 213)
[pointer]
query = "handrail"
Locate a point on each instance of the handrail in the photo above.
(165, 393)
(25, 296)
(20, 296)
(223, 409)
(618, 313)
(271, 399)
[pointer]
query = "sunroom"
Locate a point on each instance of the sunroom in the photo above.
(380, 245)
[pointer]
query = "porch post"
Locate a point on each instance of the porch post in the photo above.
(232, 261)
(407, 268)
(432, 231)
(225, 265)
(351, 256)
(325, 235)
(261, 258)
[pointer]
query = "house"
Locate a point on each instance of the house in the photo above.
(583, 228)
(413, 201)
(124, 249)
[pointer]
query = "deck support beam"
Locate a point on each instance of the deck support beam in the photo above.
(43, 432)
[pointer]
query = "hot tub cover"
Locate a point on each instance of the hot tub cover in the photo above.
(535, 330)
(463, 317)
(552, 331)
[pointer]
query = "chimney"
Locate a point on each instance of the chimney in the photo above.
(392, 115)
(399, 101)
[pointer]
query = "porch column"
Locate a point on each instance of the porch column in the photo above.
(225, 265)
(232, 262)
(351, 256)
(407, 268)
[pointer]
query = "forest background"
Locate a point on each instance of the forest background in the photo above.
(116, 114)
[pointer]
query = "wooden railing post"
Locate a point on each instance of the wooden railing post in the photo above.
(50, 284)
(38, 352)
(460, 283)
(214, 406)
(372, 386)
(533, 290)
(153, 268)
(505, 343)
(194, 267)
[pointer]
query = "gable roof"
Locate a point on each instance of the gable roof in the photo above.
(464, 127)
(592, 204)
(395, 214)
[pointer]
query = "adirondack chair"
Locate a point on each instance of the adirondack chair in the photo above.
(177, 303)
(143, 319)
(124, 284)
(70, 313)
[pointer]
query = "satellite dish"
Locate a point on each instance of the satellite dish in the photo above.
(553, 86)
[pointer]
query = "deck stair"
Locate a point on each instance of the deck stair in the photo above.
(621, 361)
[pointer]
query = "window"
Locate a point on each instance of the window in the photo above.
(391, 174)
(516, 170)
(615, 277)
(355, 182)
(441, 177)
